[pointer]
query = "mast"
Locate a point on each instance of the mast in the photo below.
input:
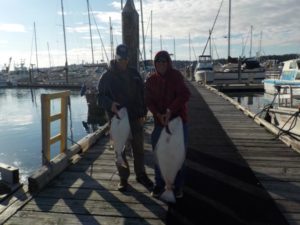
(190, 55)
(174, 45)
(210, 47)
(250, 52)
(260, 40)
(36, 56)
(143, 35)
(49, 54)
(88, 8)
(160, 42)
(151, 50)
(229, 27)
(65, 42)
(111, 39)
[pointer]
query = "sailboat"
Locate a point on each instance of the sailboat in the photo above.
(237, 70)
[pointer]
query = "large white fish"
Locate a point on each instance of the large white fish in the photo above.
(170, 155)
(120, 131)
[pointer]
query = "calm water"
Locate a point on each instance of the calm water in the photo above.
(254, 102)
(20, 126)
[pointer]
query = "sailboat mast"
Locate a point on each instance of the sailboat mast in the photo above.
(174, 46)
(88, 8)
(229, 28)
(251, 31)
(161, 42)
(190, 55)
(143, 34)
(36, 56)
(49, 54)
(111, 39)
(151, 38)
(65, 42)
(210, 47)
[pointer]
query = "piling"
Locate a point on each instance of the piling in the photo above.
(130, 32)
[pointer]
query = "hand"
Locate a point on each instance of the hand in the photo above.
(142, 120)
(114, 107)
(167, 116)
(160, 118)
(164, 118)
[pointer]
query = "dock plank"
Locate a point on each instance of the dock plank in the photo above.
(87, 191)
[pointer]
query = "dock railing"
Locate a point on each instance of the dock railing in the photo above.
(48, 118)
(289, 96)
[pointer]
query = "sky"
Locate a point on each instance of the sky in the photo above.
(275, 29)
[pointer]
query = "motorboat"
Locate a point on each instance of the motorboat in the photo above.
(3, 82)
(290, 76)
(246, 70)
(284, 113)
(204, 69)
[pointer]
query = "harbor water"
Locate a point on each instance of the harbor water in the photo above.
(20, 126)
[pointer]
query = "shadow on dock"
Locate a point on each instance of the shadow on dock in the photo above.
(220, 187)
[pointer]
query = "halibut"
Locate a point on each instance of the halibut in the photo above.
(120, 132)
(170, 155)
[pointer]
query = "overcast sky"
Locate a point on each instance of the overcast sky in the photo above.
(276, 28)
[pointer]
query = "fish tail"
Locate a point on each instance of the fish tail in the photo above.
(168, 196)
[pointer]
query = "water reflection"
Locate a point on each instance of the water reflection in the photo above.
(254, 102)
(20, 126)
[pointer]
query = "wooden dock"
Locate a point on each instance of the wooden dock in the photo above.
(236, 173)
(86, 193)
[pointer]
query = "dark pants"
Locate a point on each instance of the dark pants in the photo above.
(137, 144)
(179, 180)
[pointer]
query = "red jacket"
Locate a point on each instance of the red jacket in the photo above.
(167, 91)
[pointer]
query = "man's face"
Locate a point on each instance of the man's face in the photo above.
(161, 66)
(122, 64)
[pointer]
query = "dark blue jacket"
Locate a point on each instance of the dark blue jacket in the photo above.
(123, 87)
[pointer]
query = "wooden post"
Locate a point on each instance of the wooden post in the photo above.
(45, 103)
(130, 32)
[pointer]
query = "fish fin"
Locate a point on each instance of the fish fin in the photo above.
(168, 129)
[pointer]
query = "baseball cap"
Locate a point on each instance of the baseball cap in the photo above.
(121, 52)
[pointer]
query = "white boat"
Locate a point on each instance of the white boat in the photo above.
(247, 70)
(204, 69)
(284, 112)
(290, 76)
(3, 82)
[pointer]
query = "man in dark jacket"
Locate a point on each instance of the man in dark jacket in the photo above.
(166, 97)
(122, 86)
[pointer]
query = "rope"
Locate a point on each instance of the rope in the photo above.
(266, 107)
(292, 126)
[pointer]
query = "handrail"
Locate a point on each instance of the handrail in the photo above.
(47, 118)
(287, 95)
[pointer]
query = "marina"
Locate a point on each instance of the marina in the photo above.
(62, 161)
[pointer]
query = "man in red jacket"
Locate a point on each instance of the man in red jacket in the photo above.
(166, 96)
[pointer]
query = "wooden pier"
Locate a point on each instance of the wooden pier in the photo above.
(236, 173)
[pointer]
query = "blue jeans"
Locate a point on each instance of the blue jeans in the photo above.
(179, 180)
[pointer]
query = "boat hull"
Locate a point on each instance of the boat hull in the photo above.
(286, 119)
(216, 77)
